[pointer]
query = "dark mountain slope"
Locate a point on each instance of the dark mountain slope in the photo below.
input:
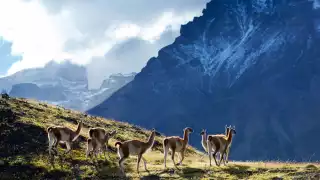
(251, 63)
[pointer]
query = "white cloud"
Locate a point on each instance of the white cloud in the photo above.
(316, 4)
(81, 30)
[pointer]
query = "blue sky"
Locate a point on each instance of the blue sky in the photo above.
(6, 58)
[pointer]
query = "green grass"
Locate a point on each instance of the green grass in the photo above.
(23, 151)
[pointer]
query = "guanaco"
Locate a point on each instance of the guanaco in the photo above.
(176, 144)
(58, 134)
(98, 140)
(204, 140)
(220, 144)
(227, 131)
(134, 147)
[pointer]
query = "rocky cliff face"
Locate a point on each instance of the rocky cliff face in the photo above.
(254, 64)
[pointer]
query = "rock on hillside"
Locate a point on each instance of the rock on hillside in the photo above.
(254, 64)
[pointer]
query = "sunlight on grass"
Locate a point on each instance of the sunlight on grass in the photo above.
(32, 160)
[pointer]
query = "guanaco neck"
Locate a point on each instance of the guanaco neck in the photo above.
(77, 132)
(204, 141)
(151, 139)
(107, 136)
(229, 137)
(186, 137)
(228, 131)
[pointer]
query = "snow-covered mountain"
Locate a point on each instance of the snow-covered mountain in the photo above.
(63, 84)
(254, 64)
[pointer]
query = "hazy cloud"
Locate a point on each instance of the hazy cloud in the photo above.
(82, 30)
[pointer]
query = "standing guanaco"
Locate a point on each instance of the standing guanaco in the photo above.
(134, 147)
(98, 140)
(220, 143)
(204, 141)
(176, 144)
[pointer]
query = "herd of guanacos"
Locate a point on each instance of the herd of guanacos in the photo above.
(99, 137)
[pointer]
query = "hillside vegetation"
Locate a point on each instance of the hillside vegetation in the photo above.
(24, 154)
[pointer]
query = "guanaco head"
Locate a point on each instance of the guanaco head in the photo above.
(188, 130)
(203, 132)
(153, 132)
(227, 129)
(232, 129)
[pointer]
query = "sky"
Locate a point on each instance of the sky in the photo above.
(107, 36)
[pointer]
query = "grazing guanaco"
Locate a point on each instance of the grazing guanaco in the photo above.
(219, 144)
(204, 140)
(98, 140)
(134, 147)
(176, 144)
(58, 134)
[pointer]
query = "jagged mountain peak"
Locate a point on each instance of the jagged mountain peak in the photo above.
(226, 39)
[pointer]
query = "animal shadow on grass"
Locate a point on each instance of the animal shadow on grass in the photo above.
(239, 171)
(184, 172)
(112, 171)
(151, 177)
(306, 173)
(30, 171)
(20, 138)
(189, 172)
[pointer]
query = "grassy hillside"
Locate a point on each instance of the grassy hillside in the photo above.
(23, 151)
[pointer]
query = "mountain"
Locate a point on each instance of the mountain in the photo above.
(32, 91)
(63, 84)
(254, 64)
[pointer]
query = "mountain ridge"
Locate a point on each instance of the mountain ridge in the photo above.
(255, 68)
(64, 84)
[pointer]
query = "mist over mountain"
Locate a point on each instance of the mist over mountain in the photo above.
(63, 84)
(254, 64)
